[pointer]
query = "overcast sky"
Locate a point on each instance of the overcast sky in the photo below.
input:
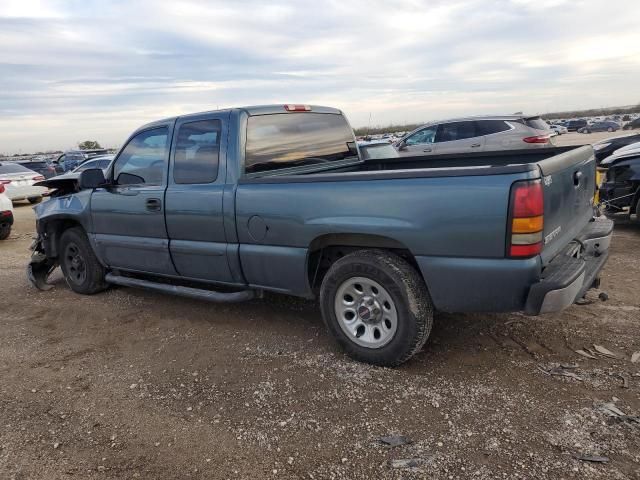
(88, 69)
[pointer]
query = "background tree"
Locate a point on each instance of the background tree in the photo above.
(88, 145)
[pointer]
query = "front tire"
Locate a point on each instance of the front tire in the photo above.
(82, 271)
(34, 200)
(377, 307)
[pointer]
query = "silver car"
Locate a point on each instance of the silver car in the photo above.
(476, 134)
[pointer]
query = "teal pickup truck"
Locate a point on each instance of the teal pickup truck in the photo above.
(224, 205)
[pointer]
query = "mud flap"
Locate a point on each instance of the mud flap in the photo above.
(40, 267)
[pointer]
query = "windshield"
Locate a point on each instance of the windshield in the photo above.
(286, 140)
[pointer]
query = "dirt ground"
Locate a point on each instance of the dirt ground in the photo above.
(134, 384)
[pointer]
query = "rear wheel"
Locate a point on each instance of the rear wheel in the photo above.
(377, 307)
(82, 270)
(5, 231)
(34, 200)
(609, 129)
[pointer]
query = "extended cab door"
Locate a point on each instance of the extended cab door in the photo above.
(194, 197)
(459, 137)
(128, 215)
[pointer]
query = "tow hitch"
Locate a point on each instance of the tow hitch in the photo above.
(40, 267)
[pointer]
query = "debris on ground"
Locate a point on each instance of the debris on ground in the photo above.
(605, 352)
(586, 355)
(561, 371)
(615, 413)
(395, 440)
(590, 458)
(603, 296)
(635, 358)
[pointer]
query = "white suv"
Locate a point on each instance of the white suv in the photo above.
(476, 134)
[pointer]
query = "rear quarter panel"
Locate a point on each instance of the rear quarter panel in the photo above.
(440, 217)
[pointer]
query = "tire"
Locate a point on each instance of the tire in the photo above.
(402, 296)
(638, 210)
(5, 231)
(82, 271)
(34, 200)
(609, 129)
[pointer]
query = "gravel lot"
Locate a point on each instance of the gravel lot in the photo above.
(134, 384)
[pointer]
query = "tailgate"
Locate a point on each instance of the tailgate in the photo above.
(569, 186)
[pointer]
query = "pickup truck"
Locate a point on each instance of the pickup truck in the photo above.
(224, 205)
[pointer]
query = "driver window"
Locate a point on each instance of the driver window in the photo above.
(426, 135)
(143, 159)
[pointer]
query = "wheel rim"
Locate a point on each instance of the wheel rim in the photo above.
(76, 266)
(366, 312)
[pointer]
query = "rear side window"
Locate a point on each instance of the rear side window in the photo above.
(449, 132)
(297, 139)
(197, 152)
(488, 127)
(537, 123)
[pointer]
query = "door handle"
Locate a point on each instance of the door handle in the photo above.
(154, 204)
(576, 178)
(476, 145)
(427, 150)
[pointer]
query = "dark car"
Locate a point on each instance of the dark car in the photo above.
(42, 166)
(574, 125)
(620, 191)
(633, 124)
(605, 126)
(72, 158)
(606, 147)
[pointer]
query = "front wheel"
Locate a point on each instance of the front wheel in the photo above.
(82, 270)
(377, 307)
(609, 129)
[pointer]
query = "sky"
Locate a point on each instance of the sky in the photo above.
(87, 69)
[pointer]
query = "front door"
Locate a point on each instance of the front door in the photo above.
(128, 216)
(419, 143)
(195, 221)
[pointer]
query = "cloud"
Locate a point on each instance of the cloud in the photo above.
(76, 69)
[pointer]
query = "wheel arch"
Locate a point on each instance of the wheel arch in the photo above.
(325, 249)
(51, 229)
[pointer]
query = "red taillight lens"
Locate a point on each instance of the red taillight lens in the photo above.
(5, 182)
(297, 108)
(38, 178)
(527, 199)
(537, 139)
(526, 219)
(1, 187)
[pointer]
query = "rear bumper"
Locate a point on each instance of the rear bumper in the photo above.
(570, 274)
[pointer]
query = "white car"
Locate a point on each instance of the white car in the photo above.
(6, 214)
(559, 129)
(18, 183)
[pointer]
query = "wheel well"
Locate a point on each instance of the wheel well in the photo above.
(53, 231)
(324, 251)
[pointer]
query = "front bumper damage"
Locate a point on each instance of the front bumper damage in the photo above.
(40, 267)
(572, 273)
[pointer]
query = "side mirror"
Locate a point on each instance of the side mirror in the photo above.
(91, 178)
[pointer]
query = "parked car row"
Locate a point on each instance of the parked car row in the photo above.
(6, 214)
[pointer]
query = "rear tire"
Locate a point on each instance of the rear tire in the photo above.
(82, 271)
(5, 231)
(34, 200)
(377, 307)
(609, 129)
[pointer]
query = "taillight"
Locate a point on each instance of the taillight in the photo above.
(38, 178)
(1, 187)
(297, 108)
(526, 219)
(537, 139)
(5, 182)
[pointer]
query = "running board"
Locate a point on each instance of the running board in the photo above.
(196, 293)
